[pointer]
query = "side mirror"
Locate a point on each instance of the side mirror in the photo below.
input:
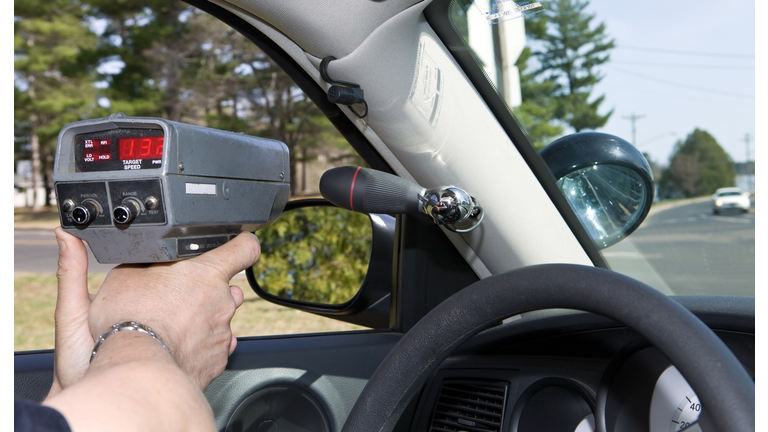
(329, 261)
(606, 180)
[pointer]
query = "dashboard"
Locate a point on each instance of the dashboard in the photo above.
(554, 370)
(561, 372)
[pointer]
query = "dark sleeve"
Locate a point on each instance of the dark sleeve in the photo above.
(30, 416)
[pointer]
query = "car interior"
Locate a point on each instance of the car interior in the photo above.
(518, 325)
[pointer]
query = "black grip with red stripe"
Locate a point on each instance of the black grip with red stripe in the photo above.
(369, 191)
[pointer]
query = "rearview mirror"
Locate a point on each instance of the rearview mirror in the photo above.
(606, 180)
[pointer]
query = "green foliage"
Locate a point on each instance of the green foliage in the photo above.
(698, 166)
(53, 72)
(151, 38)
(571, 47)
(536, 113)
(315, 254)
(656, 170)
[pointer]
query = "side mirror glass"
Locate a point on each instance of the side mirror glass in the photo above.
(606, 180)
(313, 254)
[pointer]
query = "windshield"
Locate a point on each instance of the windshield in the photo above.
(661, 77)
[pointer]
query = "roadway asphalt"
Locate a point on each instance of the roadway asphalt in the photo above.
(36, 251)
(688, 250)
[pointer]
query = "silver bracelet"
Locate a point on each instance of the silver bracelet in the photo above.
(126, 326)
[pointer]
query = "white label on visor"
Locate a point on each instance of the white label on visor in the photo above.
(201, 189)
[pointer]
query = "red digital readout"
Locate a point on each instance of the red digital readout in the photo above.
(141, 148)
(95, 150)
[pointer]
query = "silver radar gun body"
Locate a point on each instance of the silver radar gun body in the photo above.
(145, 190)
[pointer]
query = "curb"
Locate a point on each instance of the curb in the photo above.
(656, 209)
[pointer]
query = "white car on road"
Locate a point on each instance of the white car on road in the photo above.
(730, 198)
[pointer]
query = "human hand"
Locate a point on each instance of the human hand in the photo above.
(187, 303)
(73, 340)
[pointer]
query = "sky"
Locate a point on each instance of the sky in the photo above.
(680, 65)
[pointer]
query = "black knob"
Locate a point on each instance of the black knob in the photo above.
(151, 203)
(68, 205)
(345, 95)
(127, 211)
(369, 191)
(85, 213)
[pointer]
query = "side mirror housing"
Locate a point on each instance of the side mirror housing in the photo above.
(326, 260)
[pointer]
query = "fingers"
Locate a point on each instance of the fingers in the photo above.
(237, 294)
(232, 344)
(234, 256)
(72, 273)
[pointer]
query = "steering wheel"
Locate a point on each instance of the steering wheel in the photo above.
(720, 381)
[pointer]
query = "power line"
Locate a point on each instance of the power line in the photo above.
(683, 52)
(688, 66)
(681, 85)
(657, 137)
(686, 98)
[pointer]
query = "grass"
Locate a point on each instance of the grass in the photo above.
(35, 300)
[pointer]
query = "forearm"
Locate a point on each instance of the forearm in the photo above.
(134, 384)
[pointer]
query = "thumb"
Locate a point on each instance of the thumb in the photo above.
(73, 299)
(234, 256)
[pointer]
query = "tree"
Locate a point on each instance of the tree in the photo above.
(537, 110)
(656, 170)
(315, 254)
(568, 51)
(698, 166)
(154, 40)
(233, 85)
(54, 75)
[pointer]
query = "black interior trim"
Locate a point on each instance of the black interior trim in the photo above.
(302, 79)
(32, 374)
(425, 258)
(720, 313)
(437, 15)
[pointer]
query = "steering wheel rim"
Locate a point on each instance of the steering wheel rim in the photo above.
(720, 381)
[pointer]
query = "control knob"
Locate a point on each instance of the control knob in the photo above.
(85, 213)
(127, 211)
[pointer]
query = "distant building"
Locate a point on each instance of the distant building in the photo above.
(745, 175)
(23, 194)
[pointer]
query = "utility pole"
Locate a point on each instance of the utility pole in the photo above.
(747, 140)
(633, 118)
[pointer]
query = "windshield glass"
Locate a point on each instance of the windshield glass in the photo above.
(677, 81)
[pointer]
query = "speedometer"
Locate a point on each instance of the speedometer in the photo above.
(674, 404)
(640, 391)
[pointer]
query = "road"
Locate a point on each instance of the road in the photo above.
(36, 251)
(688, 250)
